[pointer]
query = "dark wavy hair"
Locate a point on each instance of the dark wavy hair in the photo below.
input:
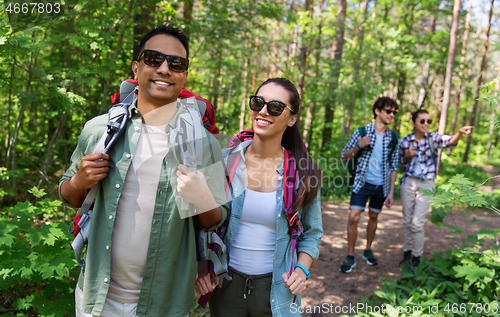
(166, 29)
(292, 140)
(384, 102)
(415, 113)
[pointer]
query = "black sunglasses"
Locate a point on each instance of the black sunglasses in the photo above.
(391, 111)
(274, 107)
(155, 59)
(429, 121)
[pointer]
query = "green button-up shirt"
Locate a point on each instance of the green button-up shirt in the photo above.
(168, 284)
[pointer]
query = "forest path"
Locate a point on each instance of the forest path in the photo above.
(336, 291)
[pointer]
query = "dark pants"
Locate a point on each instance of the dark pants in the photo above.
(245, 295)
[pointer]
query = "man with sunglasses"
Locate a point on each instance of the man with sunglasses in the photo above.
(418, 153)
(376, 172)
(141, 255)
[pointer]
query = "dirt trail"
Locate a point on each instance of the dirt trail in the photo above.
(328, 285)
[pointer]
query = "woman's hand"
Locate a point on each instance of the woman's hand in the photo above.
(296, 282)
(466, 130)
(204, 284)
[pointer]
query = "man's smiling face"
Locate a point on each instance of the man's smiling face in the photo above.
(159, 86)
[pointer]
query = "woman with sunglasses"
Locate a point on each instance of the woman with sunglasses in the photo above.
(418, 153)
(257, 238)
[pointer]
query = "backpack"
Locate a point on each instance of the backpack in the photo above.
(190, 154)
(352, 165)
(289, 191)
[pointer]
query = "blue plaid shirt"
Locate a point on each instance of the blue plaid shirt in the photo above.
(388, 164)
(422, 165)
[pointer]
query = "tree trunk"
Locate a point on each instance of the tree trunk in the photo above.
(143, 18)
(425, 74)
(307, 136)
(49, 157)
(304, 51)
(115, 55)
(245, 89)
(274, 60)
(335, 70)
(255, 65)
(188, 16)
(449, 74)
(479, 82)
(461, 73)
(493, 115)
(357, 66)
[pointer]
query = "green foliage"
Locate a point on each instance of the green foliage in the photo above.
(459, 282)
(37, 265)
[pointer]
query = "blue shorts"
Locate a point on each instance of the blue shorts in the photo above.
(374, 192)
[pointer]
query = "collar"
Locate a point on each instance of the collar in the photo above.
(370, 129)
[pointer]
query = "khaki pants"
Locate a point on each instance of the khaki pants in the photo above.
(415, 208)
(111, 308)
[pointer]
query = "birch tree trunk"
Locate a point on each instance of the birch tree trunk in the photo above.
(479, 82)
(449, 74)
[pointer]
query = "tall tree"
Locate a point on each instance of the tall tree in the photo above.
(493, 115)
(337, 48)
(479, 82)
(425, 74)
(461, 72)
(449, 74)
(304, 51)
(310, 110)
(357, 66)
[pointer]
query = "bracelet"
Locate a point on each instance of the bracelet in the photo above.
(358, 145)
(303, 268)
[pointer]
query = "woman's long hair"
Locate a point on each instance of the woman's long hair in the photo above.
(309, 174)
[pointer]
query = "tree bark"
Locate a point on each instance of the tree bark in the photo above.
(142, 22)
(188, 16)
(357, 66)
(49, 154)
(245, 92)
(425, 74)
(461, 73)
(304, 51)
(307, 136)
(115, 55)
(449, 74)
(479, 82)
(338, 47)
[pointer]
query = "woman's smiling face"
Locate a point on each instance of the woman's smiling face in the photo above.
(266, 125)
(419, 126)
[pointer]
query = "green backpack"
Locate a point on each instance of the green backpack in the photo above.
(352, 165)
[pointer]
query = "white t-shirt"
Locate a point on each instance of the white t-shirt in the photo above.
(252, 251)
(134, 213)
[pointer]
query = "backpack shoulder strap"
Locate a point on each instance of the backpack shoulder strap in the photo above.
(362, 131)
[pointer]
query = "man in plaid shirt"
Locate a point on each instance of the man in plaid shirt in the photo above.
(375, 176)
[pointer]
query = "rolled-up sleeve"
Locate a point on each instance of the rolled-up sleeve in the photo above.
(442, 141)
(312, 226)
